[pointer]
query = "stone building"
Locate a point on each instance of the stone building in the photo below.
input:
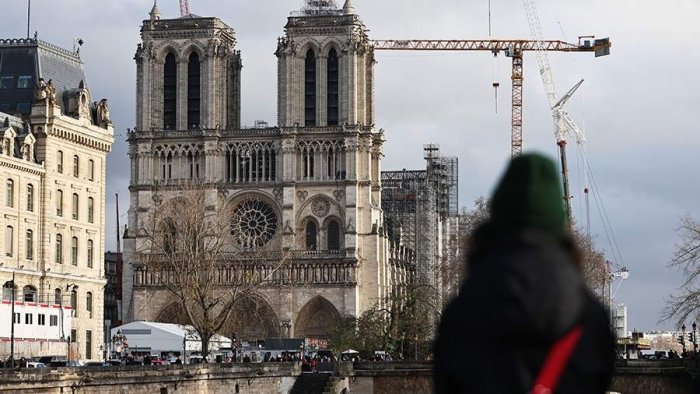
(309, 187)
(55, 140)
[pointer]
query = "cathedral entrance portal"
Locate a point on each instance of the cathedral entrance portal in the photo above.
(252, 318)
(315, 318)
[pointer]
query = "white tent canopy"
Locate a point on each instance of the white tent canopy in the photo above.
(165, 338)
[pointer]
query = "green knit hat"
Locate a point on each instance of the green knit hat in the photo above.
(529, 196)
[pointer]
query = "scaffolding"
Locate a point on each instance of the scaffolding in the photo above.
(416, 205)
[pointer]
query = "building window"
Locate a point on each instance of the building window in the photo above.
(53, 320)
(74, 302)
(42, 319)
(88, 344)
(89, 253)
(59, 202)
(332, 93)
(10, 195)
(310, 235)
(57, 297)
(9, 238)
(16, 318)
(30, 245)
(28, 317)
(7, 82)
(30, 197)
(169, 92)
(91, 210)
(24, 82)
(193, 89)
(88, 304)
(310, 89)
(59, 249)
(76, 166)
(29, 294)
(59, 162)
(333, 236)
(74, 335)
(91, 170)
(7, 290)
(74, 251)
(75, 206)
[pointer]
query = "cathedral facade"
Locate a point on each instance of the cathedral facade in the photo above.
(309, 188)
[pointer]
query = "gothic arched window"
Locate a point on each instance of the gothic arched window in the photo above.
(170, 92)
(310, 235)
(193, 88)
(333, 236)
(310, 89)
(332, 71)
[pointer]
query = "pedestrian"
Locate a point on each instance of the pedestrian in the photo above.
(524, 302)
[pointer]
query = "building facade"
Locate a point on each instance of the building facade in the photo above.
(52, 164)
(308, 188)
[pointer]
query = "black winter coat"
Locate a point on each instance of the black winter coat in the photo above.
(522, 294)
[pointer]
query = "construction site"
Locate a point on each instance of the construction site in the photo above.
(418, 207)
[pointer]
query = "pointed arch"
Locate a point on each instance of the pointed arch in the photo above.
(332, 87)
(193, 90)
(310, 88)
(252, 318)
(310, 234)
(333, 238)
(169, 91)
(315, 318)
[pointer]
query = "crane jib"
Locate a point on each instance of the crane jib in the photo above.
(599, 45)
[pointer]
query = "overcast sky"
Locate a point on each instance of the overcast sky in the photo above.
(638, 106)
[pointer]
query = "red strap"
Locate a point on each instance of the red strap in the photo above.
(555, 362)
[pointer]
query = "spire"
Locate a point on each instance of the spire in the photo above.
(155, 12)
(348, 9)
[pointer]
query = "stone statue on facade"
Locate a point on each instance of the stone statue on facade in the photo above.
(102, 113)
(40, 92)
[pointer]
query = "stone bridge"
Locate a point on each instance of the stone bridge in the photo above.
(631, 377)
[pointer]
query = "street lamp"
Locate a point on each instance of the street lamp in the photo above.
(683, 337)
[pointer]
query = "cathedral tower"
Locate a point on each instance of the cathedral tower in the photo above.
(325, 72)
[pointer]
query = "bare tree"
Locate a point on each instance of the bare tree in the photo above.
(686, 257)
(454, 267)
(592, 261)
(196, 254)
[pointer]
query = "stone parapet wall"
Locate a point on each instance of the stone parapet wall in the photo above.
(212, 378)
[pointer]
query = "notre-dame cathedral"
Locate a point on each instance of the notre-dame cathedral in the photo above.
(310, 186)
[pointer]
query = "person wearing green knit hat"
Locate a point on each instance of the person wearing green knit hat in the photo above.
(529, 196)
(523, 298)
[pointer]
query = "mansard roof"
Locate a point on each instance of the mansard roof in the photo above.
(35, 59)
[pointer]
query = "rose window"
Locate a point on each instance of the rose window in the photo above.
(253, 224)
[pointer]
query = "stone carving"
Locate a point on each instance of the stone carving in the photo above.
(287, 47)
(320, 207)
(41, 92)
(339, 195)
(51, 91)
(102, 113)
(302, 194)
(278, 193)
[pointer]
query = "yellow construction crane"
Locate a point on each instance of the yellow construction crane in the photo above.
(513, 49)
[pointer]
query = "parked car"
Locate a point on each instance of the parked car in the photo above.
(35, 364)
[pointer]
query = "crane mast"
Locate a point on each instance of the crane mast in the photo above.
(513, 49)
